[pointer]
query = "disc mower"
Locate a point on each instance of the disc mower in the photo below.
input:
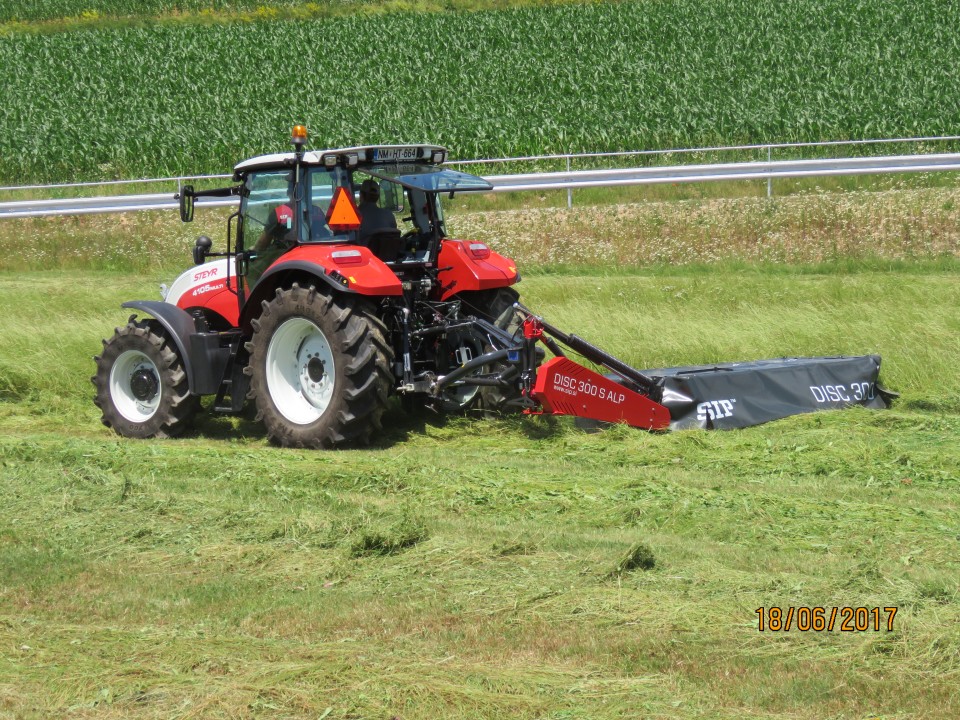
(338, 288)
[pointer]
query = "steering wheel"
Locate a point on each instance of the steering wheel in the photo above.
(409, 240)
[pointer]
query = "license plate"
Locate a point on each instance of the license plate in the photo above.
(395, 154)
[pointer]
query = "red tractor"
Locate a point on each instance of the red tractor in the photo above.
(322, 307)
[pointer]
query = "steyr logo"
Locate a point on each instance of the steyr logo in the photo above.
(204, 274)
(715, 409)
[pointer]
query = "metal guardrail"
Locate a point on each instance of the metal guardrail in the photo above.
(568, 180)
(768, 147)
(727, 171)
(95, 205)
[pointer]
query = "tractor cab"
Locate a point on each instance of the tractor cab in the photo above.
(386, 198)
(366, 220)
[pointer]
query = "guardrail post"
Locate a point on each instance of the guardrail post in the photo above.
(769, 179)
(569, 190)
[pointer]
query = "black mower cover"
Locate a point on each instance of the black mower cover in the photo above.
(736, 395)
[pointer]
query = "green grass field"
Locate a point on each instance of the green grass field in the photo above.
(469, 568)
(509, 567)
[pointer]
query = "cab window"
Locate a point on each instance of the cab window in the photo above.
(391, 194)
(265, 192)
(321, 184)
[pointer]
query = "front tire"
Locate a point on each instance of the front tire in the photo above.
(320, 369)
(141, 385)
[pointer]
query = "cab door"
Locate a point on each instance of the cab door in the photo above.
(268, 222)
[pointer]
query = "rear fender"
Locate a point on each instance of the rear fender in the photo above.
(202, 357)
(339, 268)
(462, 270)
(349, 267)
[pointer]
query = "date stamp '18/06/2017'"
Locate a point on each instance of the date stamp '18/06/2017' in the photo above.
(820, 619)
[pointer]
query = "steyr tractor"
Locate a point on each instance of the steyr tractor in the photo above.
(338, 288)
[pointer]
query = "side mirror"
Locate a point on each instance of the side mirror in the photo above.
(201, 249)
(392, 196)
(186, 203)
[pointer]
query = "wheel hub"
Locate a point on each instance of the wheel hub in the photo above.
(144, 384)
(314, 382)
(135, 386)
(315, 369)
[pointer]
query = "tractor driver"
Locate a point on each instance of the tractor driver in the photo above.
(373, 218)
(278, 231)
(277, 237)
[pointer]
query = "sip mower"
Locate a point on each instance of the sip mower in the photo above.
(319, 309)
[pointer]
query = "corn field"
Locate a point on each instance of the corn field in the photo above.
(165, 99)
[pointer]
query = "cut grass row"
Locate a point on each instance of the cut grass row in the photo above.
(165, 100)
(663, 317)
(218, 576)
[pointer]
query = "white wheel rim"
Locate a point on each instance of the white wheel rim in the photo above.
(129, 365)
(462, 394)
(300, 371)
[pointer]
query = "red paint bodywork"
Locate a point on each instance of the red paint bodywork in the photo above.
(214, 296)
(366, 275)
(369, 276)
(470, 273)
(565, 388)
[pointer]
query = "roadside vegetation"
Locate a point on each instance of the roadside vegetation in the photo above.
(510, 567)
(159, 99)
(540, 233)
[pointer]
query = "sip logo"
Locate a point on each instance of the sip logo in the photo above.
(715, 409)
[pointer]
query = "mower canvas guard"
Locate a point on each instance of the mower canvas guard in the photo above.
(721, 396)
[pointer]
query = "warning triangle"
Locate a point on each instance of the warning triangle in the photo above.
(342, 214)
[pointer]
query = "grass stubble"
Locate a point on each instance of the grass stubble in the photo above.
(508, 567)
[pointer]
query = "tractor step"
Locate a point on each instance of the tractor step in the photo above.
(233, 385)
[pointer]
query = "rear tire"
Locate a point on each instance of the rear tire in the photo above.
(495, 306)
(141, 384)
(320, 369)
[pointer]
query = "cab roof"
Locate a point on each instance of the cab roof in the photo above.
(366, 155)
